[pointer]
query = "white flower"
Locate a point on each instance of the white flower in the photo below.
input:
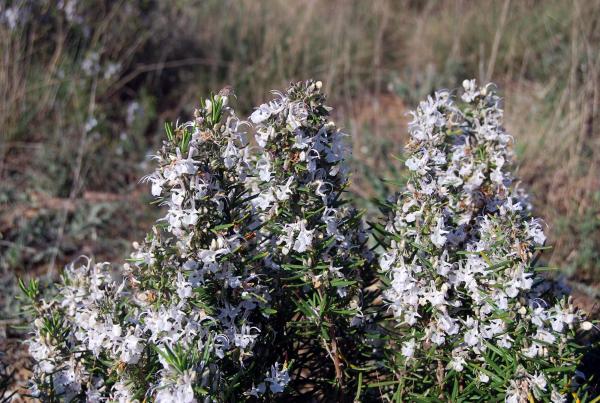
(408, 348)
(95, 391)
(43, 354)
(304, 238)
(418, 164)
(386, 260)
(177, 196)
(12, 17)
(302, 142)
(297, 115)
(257, 391)
(90, 124)
(179, 391)
(264, 168)
(287, 238)
(278, 379)
(111, 70)
(131, 349)
(538, 381)
(557, 397)
(283, 192)
(457, 363)
(91, 64)
(121, 392)
(438, 235)
(157, 185)
(230, 155)
(158, 323)
(261, 114)
(132, 110)
(264, 199)
(514, 393)
(265, 111)
(471, 91)
(472, 337)
(185, 167)
(184, 288)
(264, 134)
(244, 338)
(536, 232)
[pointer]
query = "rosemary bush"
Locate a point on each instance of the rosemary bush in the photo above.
(472, 316)
(317, 244)
(185, 316)
(261, 283)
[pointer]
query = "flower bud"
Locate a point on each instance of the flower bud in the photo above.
(587, 326)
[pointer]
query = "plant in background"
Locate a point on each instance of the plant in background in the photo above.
(472, 317)
(316, 243)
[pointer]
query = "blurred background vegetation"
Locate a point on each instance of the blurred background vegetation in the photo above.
(85, 87)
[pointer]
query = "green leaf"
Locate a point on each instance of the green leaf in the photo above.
(342, 283)
(269, 311)
(169, 131)
(359, 387)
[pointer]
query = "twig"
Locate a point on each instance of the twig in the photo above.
(496, 43)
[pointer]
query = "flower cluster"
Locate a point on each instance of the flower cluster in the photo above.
(214, 297)
(186, 315)
(463, 286)
(316, 242)
(259, 281)
(69, 336)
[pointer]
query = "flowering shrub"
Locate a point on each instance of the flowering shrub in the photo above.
(259, 283)
(316, 243)
(473, 316)
(184, 319)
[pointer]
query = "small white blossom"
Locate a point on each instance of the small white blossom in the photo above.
(408, 348)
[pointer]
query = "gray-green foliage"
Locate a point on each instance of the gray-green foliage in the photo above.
(474, 317)
(259, 282)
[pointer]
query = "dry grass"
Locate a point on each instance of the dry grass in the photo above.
(377, 59)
